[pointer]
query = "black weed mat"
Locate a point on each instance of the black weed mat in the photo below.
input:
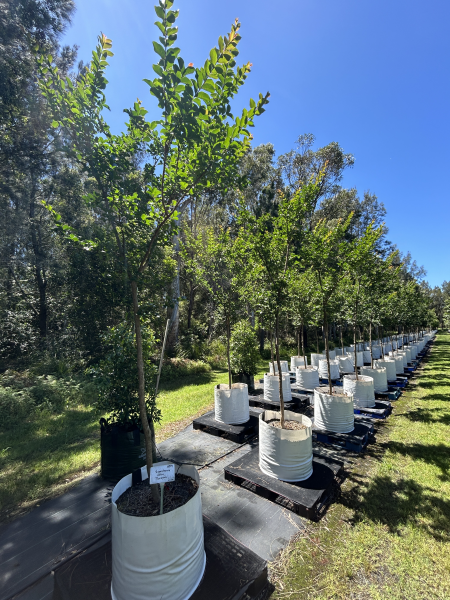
(233, 572)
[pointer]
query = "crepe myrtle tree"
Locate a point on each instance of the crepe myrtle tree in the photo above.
(357, 273)
(268, 247)
(326, 254)
(301, 305)
(147, 174)
(215, 266)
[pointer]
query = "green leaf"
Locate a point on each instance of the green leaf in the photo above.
(160, 12)
(55, 124)
(159, 49)
(213, 55)
(221, 44)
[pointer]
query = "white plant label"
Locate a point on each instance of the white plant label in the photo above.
(162, 474)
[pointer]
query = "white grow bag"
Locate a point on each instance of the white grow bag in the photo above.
(376, 352)
(334, 369)
(414, 350)
(398, 358)
(298, 361)
(308, 378)
(285, 454)
(402, 354)
(407, 349)
(366, 356)
(315, 359)
(284, 367)
(333, 413)
(346, 364)
(389, 365)
(272, 389)
(362, 390)
(231, 406)
(161, 557)
(332, 354)
(379, 377)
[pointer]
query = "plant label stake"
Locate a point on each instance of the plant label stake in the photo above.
(162, 474)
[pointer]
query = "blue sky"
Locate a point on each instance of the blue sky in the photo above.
(373, 76)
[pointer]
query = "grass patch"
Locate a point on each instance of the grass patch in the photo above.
(388, 536)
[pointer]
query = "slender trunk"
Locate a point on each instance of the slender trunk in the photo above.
(280, 375)
(262, 335)
(271, 352)
(228, 351)
(298, 342)
(342, 342)
(303, 348)
(327, 352)
(370, 344)
(141, 389)
(39, 268)
(317, 341)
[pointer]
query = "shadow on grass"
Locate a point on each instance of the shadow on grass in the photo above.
(427, 415)
(171, 385)
(397, 504)
(46, 451)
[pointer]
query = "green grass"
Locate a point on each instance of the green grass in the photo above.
(46, 453)
(388, 536)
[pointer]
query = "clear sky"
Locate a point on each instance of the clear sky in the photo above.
(371, 75)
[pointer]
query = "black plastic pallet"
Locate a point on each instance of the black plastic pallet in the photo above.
(391, 395)
(368, 422)
(235, 433)
(381, 410)
(232, 571)
(356, 440)
(298, 401)
(308, 498)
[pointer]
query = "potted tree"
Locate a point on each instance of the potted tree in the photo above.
(144, 177)
(122, 439)
(244, 354)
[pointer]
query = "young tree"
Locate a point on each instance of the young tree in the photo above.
(146, 175)
(326, 254)
(269, 246)
(301, 304)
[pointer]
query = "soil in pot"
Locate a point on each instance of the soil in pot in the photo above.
(287, 424)
(137, 501)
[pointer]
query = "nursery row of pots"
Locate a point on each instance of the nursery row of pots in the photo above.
(163, 556)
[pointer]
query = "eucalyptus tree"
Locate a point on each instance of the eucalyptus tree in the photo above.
(147, 174)
(326, 254)
(269, 246)
(357, 274)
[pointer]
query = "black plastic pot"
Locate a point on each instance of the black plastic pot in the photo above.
(245, 378)
(122, 450)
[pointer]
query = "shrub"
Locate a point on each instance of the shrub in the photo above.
(216, 354)
(15, 406)
(117, 375)
(244, 354)
(183, 367)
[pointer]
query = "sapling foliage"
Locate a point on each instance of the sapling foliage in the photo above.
(148, 173)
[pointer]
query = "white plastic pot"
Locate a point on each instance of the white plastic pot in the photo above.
(272, 389)
(231, 406)
(361, 389)
(284, 367)
(346, 364)
(338, 351)
(398, 358)
(285, 454)
(298, 361)
(413, 349)
(332, 354)
(387, 348)
(315, 359)
(389, 365)
(307, 378)
(379, 377)
(333, 413)
(160, 557)
(366, 356)
(334, 369)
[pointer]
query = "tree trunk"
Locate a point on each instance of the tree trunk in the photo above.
(39, 269)
(280, 376)
(271, 352)
(303, 348)
(370, 344)
(317, 341)
(141, 390)
(262, 335)
(342, 342)
(190, 306)
(228, 351)
(298, 341)
(327, 351)
(354, 340)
